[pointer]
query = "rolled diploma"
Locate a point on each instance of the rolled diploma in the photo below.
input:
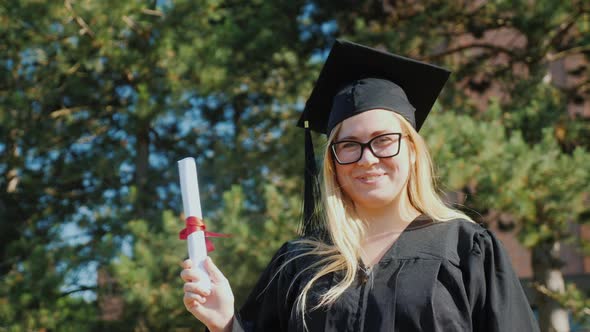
(189, 186)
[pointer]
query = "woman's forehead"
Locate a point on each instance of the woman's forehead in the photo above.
(370, 122)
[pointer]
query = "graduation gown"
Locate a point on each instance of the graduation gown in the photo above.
(437, 276)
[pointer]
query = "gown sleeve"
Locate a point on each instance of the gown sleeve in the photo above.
(268, 307)
(498, 302)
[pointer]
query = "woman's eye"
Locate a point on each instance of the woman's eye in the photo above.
(349, 145)
(383, 140)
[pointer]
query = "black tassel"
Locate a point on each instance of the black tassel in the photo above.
(310, 224)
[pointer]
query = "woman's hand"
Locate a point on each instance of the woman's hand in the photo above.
(215, 307)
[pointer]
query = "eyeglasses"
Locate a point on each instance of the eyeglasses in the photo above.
(381, 146)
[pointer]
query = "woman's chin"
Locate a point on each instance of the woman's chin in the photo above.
(375, 200)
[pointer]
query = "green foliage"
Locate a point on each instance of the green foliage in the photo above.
(255, 236)
(543, 188)
(149, 279)
(33, 284)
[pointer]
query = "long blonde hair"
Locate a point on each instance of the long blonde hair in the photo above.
(347, 231)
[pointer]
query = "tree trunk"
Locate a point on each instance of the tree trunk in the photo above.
(12, 178)
(547, 273)
(11, 228)
(141, 169)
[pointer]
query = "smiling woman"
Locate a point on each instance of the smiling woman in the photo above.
(384, 253)
(372, 179)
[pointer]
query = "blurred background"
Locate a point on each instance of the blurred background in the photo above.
(99, 99)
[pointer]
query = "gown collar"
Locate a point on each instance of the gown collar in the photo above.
(419, 222)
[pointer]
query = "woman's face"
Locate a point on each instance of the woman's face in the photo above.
(373, 182)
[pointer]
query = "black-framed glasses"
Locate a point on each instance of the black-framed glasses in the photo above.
(381, 146)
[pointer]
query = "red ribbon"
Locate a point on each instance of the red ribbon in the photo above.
(194, 224)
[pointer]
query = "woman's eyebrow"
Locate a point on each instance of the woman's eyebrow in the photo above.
(373, 134)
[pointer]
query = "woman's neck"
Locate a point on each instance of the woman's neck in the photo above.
(384, 226)
(391, 218)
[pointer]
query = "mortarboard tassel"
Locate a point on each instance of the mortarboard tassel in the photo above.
(309, 225)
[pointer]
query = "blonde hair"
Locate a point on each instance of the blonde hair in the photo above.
(347, 231)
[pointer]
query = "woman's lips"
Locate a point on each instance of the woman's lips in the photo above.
(369, 178)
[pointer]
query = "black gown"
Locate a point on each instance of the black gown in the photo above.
(437, 276)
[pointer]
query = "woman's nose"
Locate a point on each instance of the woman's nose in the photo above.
(367, 157)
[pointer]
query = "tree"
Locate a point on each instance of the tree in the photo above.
(100, 100)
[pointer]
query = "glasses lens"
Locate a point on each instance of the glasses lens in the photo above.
(347, 152)
(386, 145)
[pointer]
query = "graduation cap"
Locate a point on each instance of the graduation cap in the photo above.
(355, 79)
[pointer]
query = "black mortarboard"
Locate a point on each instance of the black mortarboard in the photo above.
(355, 79)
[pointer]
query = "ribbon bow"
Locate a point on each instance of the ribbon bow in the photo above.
(194, 224)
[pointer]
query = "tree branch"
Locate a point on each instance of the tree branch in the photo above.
(495, 48)
(152, 12)
(81, 289)
(84, 28)
(559, 298)
(570, 51)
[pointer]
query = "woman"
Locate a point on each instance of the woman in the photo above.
(387, 254)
